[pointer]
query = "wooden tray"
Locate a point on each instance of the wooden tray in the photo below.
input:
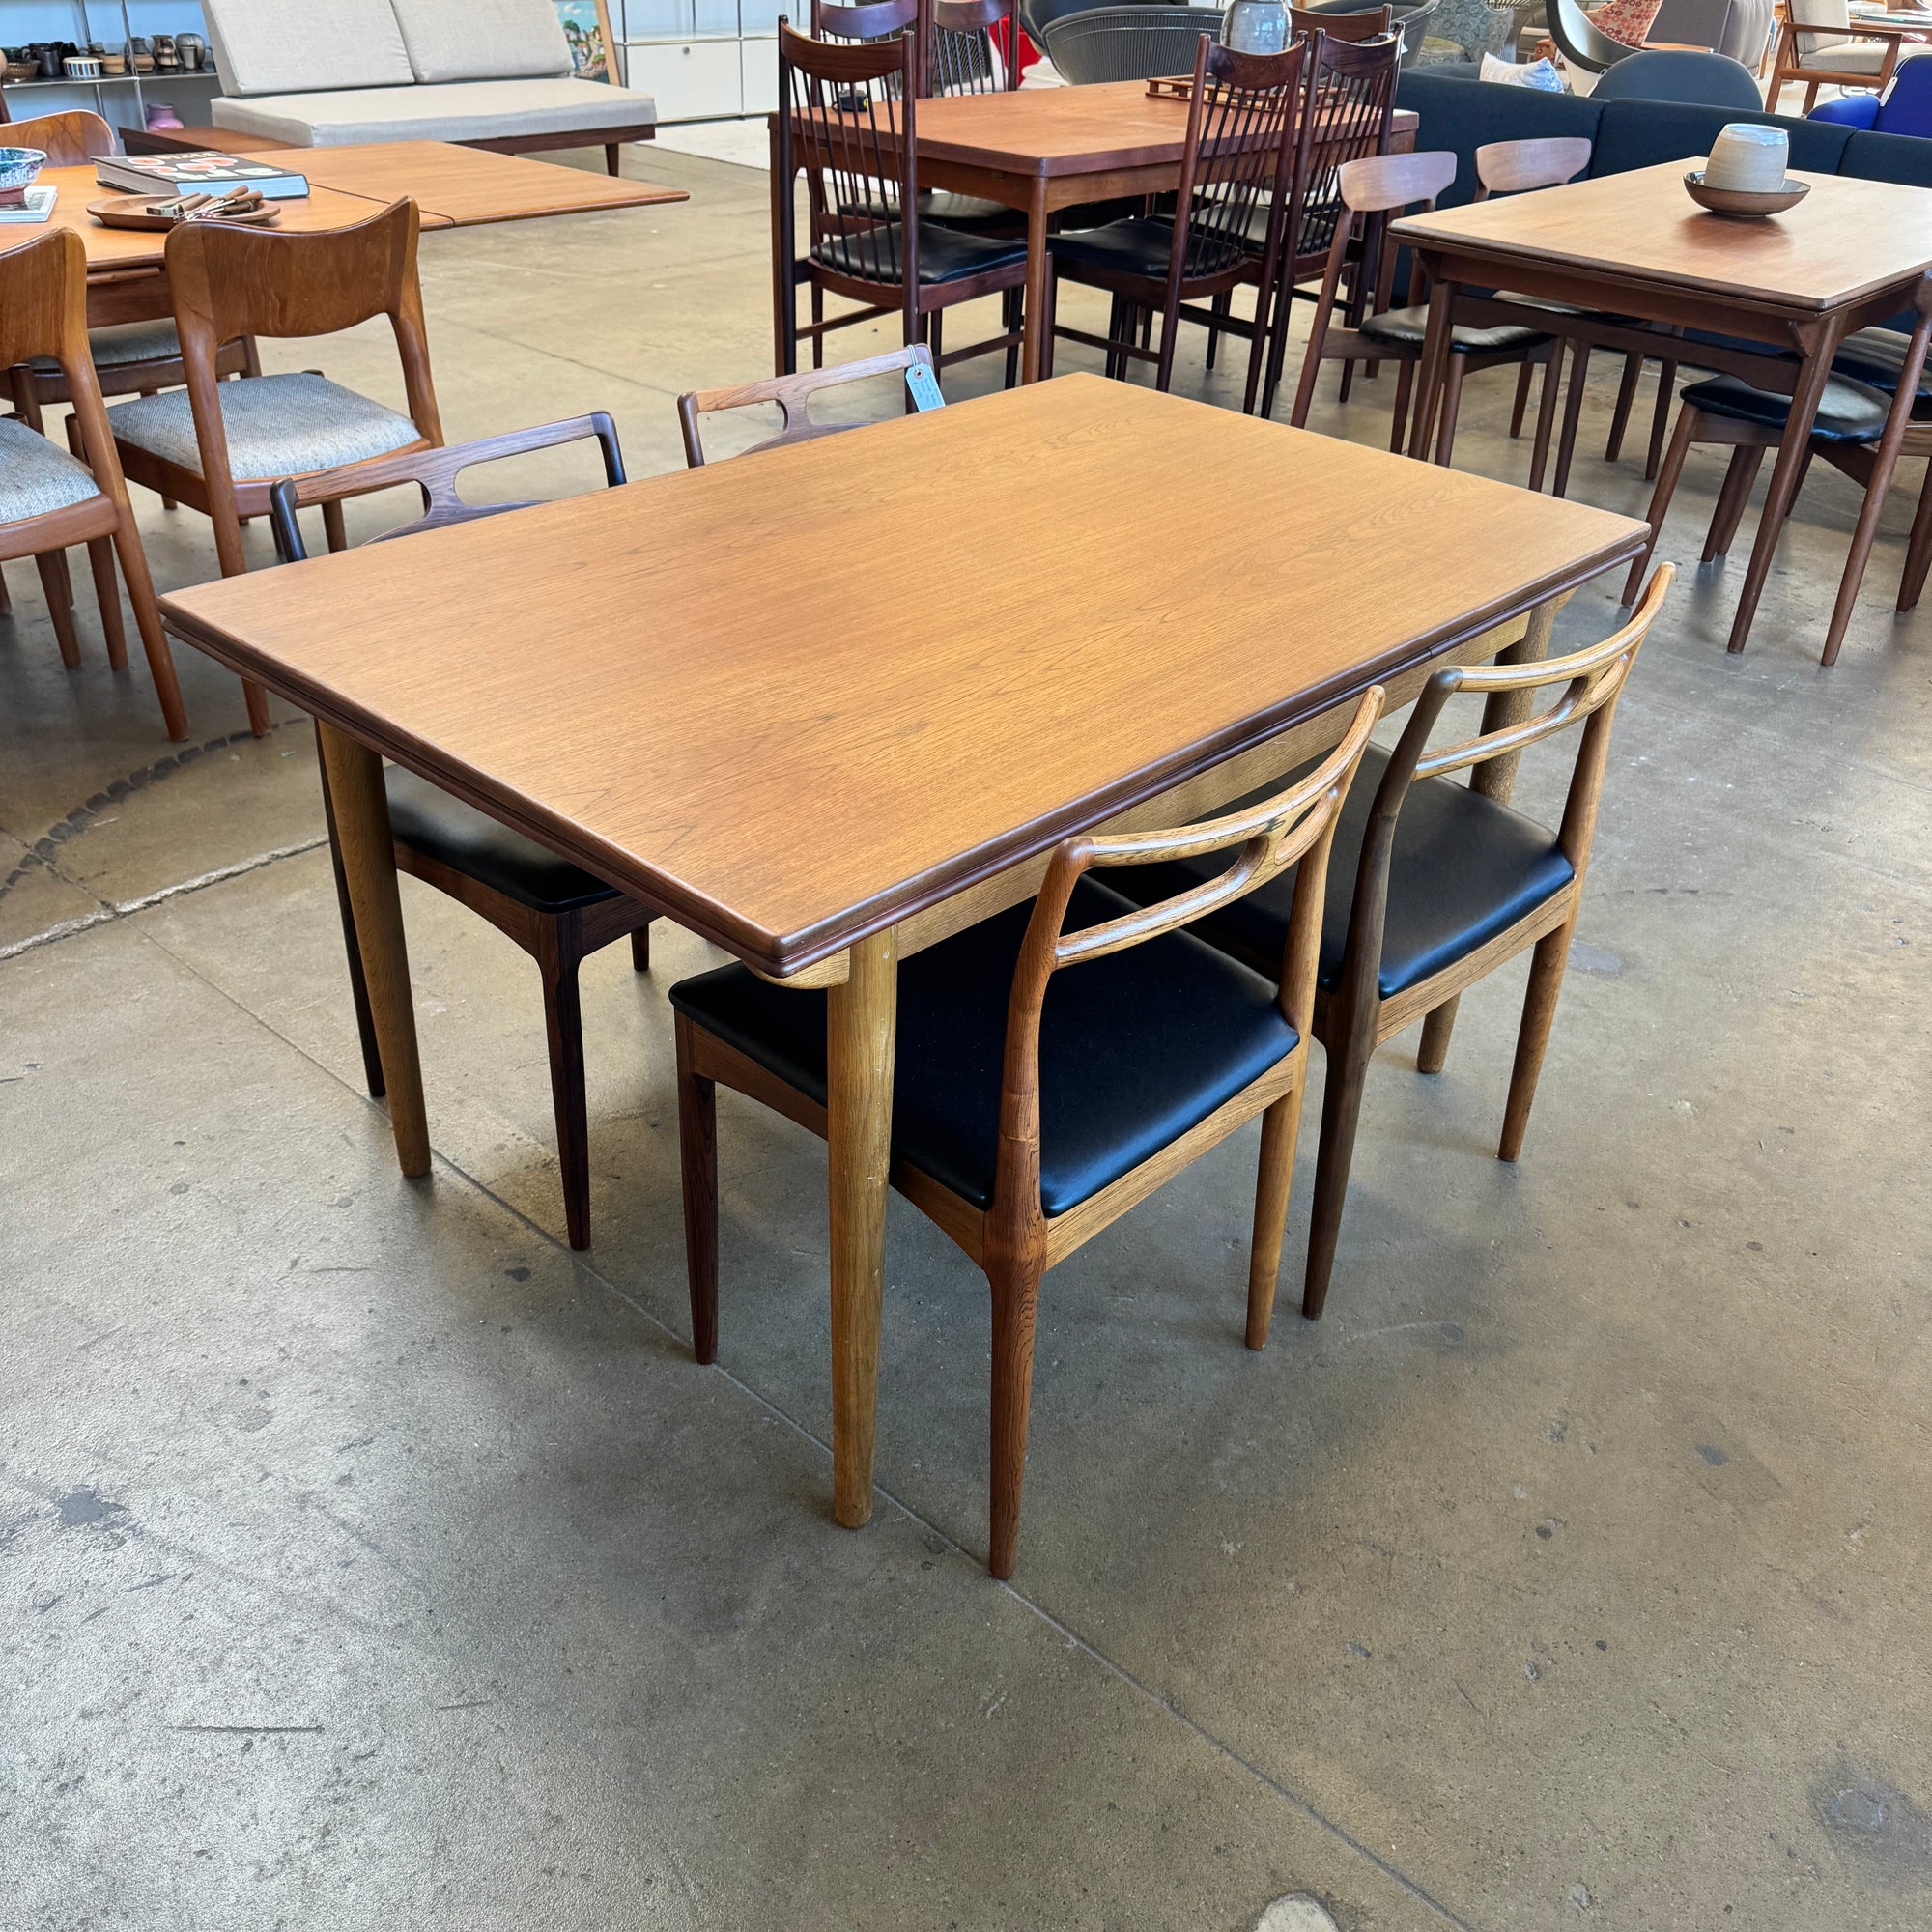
(131, 211)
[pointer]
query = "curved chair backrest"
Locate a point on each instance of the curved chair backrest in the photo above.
(1383, 182)
(1338, 20)
(792, 395)
(1670, 74)
(1411, 26)
(1686, 25)
(1037, 15)
(961, 53)
(1146, 43)
(1296, 826)
(435, 472)
(868, 21)
(1579, 43)
(1516, 167)
(1906, 107)
(68, 140)
(1352, 83)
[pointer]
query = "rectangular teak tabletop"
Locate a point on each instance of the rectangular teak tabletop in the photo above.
(777, 697)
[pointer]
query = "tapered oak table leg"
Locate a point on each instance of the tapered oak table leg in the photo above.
(362, 811)
(861, 1020)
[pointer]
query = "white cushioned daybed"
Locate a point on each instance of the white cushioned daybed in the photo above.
(488, 73)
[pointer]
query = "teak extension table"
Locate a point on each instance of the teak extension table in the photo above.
(1040, 150)
(1850, 254)
(714, 690)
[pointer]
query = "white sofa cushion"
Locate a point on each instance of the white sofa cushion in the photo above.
(483, 39)
(273, 46)
(476, 110)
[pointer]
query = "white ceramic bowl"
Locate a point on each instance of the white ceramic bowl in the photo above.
(1748, 158)
(19, 166)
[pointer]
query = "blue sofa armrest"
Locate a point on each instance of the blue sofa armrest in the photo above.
(1851, 110)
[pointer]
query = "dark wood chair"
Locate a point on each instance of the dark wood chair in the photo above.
(1241, 174)
(849, 116)
(130, 359)
(1381, 185)
(220, 448)
(50, 498)
(1022, 1130)
(1860, 430)
(1434, 887)
(556, 912)
(792, 396)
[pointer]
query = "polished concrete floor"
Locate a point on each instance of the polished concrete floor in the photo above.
(368, 1560)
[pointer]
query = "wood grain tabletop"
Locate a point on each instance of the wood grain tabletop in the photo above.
(788, 696)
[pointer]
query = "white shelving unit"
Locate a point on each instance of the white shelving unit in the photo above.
(121, 98)
(705, 60)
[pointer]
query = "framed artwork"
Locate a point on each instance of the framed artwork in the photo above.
(586, 26)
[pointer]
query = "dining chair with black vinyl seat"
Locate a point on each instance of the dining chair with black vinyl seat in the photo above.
(1433, 886)
(791, 396)
(50, 497)
(220, 448)
(848, 115)
(1031, 1111)
(556, 912)
(1245, 163)
(1385, 185)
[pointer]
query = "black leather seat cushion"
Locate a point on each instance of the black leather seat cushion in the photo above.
(945, 254)
(1142, 246)
(1849, 411)
(430, 820)
(1135, 1048)
(1409, 327)
(937, 204)
(1464, 870)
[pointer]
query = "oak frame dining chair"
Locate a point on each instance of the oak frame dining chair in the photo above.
(988, 1165)
(554, 911)
(229, 282)
(50, 498)
(792, 396)
(1860, 430)
(130, 359)
(1381, 185)
(1245, 161)
(850, 104)
(1471, 885)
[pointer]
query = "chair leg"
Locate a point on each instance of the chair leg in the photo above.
(107, 595)
(698, 1157)
(1546, 414)
(1341, 1111)
(564, 1018)
(1919, 551)
(1015, 1289)
(641, 950)
(1281, 1127)
(1436, 1027)
(1659, 500)
(1626, 397)
(6, 597)
(1012, 319)
(153, 640)
(1452, 402)
(817, 318)
(1666, 388)
(359, 984)
(1746, 460)
(1573, 411)
(58, 588)
(1223, 303)
(1405, 384)
(332, 525)
(1519, 408)
(1539, 1012)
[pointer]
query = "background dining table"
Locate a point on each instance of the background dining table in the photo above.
(1042, 149)
(768, 699)
(1772, 299)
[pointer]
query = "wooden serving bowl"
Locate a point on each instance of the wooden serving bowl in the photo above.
(131, 211)
(1745, 204)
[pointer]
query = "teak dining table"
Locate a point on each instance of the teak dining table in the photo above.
(1038, 151)
(1852, 253)
(453, 186)
(714, 690)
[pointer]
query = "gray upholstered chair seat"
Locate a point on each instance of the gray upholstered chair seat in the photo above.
(125, 342)
(277, 426)
(35, 477)
(1848, 56)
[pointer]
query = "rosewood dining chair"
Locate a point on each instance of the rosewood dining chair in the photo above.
(1245, 166)
(1861, 429)
(130, 359)
(220, 448)
(556, 912)
(792, 397)
(50, 498)
(1433, 886)
(1385, 184)
(1022, 1125)
(849, 116)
